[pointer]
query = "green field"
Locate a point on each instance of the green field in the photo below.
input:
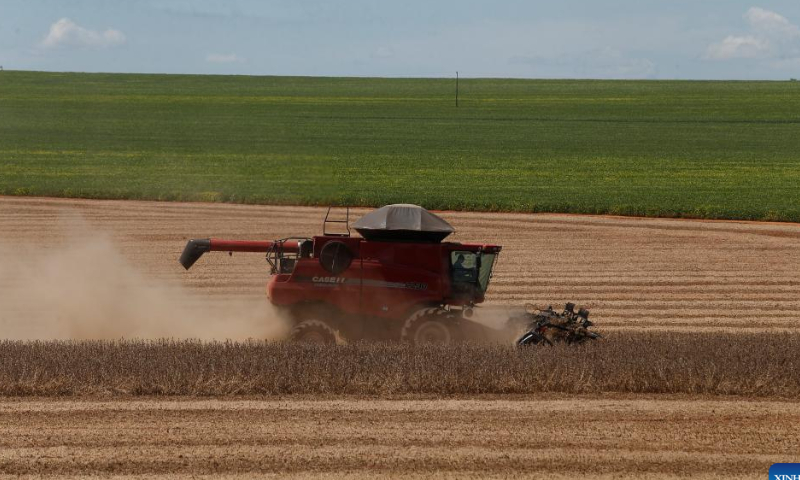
(694, 149)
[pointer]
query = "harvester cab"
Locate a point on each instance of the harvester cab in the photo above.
(399, 280)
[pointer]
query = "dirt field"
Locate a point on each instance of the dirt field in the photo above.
(549, 437)
(631, 272)
(634, 274)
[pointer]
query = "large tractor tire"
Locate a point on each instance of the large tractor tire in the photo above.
(313, 331)
(429, 325)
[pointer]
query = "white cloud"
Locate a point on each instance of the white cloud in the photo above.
(747, 46)
(771, 36)
(224, 58)
(771, 23)
(66, 33)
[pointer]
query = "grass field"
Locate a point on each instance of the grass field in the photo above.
(696, 149)
(753, 365)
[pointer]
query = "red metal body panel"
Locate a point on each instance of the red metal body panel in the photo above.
(385, 279)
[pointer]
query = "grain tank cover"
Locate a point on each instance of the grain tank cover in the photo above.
(403, 222)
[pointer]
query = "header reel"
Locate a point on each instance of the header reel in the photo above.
(550, 327)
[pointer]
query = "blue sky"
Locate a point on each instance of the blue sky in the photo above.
(701, 39)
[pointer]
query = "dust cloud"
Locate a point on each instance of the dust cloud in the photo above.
(86, 288)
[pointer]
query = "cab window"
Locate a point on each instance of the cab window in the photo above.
(464, 266)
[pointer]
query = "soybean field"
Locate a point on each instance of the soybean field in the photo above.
(651, 148)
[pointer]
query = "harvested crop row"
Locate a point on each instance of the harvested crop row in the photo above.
(542, 436)
(644, 274)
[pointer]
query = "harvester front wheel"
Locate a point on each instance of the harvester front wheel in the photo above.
(313, 331)
(427, 326)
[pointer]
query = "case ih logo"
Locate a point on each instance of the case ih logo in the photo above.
(328, 279)
(334, 281)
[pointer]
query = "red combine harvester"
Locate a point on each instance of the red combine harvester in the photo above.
(398, 281)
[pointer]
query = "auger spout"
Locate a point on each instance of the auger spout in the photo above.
(195, 248)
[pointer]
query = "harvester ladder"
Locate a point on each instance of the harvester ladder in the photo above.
(328, 220)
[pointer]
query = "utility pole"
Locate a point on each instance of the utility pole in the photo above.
(456, 89)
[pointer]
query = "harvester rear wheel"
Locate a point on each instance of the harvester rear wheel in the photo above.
(427, 326)
(313, 331)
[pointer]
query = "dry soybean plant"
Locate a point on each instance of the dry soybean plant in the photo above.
(760, 365)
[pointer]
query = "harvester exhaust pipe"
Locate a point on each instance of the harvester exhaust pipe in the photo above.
(193, 251)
